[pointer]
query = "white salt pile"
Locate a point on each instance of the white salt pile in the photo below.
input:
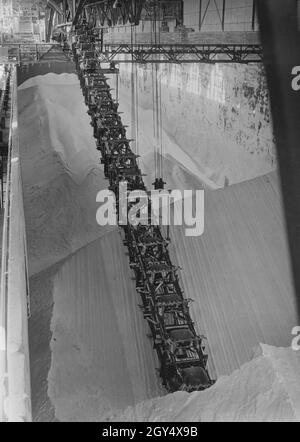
(264, 390)
(60, 167)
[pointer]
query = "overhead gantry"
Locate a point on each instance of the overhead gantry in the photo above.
(134, 45)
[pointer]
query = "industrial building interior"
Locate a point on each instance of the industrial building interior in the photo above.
(143, 322)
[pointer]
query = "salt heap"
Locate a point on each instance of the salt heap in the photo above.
(60, 168)
(266, 389)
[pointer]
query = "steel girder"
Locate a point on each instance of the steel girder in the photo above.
(115, 12)
(107, 12)
(184, 53)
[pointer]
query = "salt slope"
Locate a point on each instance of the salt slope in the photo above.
(238, 272)
(60, 167)
(102, 359)
(264, 390)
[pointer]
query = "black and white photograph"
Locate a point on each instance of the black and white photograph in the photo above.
(149, 214)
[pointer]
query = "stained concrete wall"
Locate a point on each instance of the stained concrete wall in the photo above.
(123, 35)
(218, 114)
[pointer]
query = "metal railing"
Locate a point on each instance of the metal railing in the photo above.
(28, 52)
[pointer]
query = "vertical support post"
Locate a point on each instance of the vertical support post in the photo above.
(117, 87)
(47, 15)
(50, 25)
(200, 15)
(64, 17)
(133, 109)
(223, 15)
(253, 14)
(102, 39)
(182, 13)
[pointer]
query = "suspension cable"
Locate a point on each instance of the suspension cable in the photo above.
(136, 103)
(161, 130)
(153, 103)
(160, 113)
(156, 99)
(133, 130)
(157, 119)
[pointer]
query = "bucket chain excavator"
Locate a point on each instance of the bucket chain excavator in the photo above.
(181, 353)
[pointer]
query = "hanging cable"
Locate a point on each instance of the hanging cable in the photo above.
(156, 102)
(136, 104)
(117, 87)
(152, 27)
(160, 113)
(157, 120)
(161, 131)
(157, 106)
(133, 128)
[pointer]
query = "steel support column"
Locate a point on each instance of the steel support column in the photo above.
(223, 14)
(50, 25)
(253, 14)
(200, 15)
